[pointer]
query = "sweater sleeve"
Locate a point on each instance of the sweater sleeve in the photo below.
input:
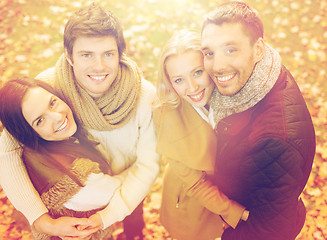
(198, 186)
(138, 179)
(274, 170)
(15, 180)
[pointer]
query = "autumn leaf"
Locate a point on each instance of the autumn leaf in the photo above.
(31, 41)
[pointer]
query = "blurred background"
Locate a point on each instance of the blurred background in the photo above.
(31, 41)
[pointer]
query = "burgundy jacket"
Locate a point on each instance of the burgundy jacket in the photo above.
(264, 159)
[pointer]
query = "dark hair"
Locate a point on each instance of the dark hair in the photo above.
(93, 21)
(237, 12)
(12, 118)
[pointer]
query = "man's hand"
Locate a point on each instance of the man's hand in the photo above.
(65, 227)
(95, 222)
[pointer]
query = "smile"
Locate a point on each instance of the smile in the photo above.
(225, 78)
(198, 97)
(98, 77)
(63, 125)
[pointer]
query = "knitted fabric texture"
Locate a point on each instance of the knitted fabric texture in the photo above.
(112, 110)
(62, 191)
(263, 78)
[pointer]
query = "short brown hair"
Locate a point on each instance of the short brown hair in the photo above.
(237, 12)
(93, 21)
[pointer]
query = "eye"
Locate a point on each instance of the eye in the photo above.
(53, 102)
(109, 54)
(230, 50)
(86, 55)
(198, 73)
(39, 121)
(178, 80)
(208, 54)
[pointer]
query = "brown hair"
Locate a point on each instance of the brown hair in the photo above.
(12, 118)
(93, 21)
(237, 12)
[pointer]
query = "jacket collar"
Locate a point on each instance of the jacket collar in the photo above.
(234, 123)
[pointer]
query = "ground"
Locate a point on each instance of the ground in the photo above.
(31, 41)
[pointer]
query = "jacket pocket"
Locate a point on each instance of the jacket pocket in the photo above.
(182, 199)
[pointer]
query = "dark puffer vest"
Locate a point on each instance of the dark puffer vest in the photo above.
(264, 159)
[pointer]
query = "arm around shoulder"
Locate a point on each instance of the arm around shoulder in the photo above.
(272, 192)
(15, 181)
(213, 199)
(139, 178)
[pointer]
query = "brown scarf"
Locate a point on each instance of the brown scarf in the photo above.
(112, 110)
(263, 78)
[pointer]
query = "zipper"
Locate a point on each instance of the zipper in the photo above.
(177, 203)
(180, 197)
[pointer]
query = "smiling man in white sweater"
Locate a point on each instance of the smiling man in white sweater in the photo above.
(107, 93)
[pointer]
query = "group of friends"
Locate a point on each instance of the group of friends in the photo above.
(83, 141)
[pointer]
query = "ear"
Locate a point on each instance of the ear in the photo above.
(68, 58)
(259, 47)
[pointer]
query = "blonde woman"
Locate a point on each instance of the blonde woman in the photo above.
(192, 208)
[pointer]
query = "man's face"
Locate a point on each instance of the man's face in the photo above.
(229, 56)
(95, 61)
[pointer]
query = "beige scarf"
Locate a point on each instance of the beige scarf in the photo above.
(110, 111)
(262, 80)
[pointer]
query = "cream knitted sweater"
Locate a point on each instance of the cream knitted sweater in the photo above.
(132, 150)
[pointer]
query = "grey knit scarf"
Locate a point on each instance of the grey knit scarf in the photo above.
(263, 78)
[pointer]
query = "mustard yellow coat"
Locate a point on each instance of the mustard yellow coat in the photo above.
(191, 205)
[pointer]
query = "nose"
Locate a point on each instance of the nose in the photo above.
(99, 63)
(218, 63)
(55, 116)
(192, 84)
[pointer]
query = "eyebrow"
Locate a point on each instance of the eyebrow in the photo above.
(200, 67)
(112, 50)
(225, 44)
(204, 49)
(36, 119)
(229, 43)
(175, 76)
(88, 51)
(84, 51)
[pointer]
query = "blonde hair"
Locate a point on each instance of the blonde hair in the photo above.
(182, 41)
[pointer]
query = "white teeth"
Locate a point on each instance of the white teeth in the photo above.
(98, 78)
(225, 78)
(62, 125)
(198, 96)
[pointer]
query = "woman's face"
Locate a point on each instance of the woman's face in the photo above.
(188, 77)
(48, 115)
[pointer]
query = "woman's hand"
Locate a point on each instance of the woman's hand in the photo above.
(96, 221)
(66, 227)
